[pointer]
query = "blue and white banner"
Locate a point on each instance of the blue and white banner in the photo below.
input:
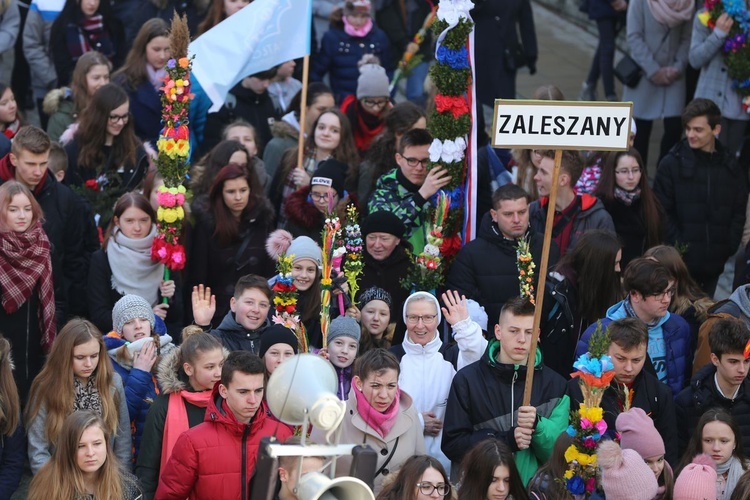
(258, 37)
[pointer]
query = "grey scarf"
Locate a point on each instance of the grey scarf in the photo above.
(741, 297)
(734, 466)
(133, 271)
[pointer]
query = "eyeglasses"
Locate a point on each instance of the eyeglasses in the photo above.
(375, 103)
(321, 196)
(119, 118)
(426, 488)
(625, 171)
(662, 295)
(414, 162)
(413, 319)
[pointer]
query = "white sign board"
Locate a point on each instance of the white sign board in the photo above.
(602, 126)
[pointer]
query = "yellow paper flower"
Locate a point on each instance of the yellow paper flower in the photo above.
(704, 17)
(571, 453)
(568, 474)
(180, 213)
(160, 214)
(170, 215)
(585, 459)
(593, 414)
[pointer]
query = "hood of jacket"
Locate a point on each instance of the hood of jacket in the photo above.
(58, 100)
(506, 370)
(617, 311)
(741, 297)
(285, 128)
(489, 231)
(218, 412)
(589, 204)
(229, 325)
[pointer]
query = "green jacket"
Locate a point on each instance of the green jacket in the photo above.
(392, 196)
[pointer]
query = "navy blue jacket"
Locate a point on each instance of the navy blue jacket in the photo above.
(340, 53)
(145, 108)
(12, 457)
(677, 343)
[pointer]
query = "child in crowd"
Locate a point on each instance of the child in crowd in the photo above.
(186, 377)
(489, 471)
(697, 481)
(718, 436)
(637, 432)
(76, 376)
(58, 161)
(548, 482)
(83, 464)
(277, 344)
(290, 468)
(241, 131)
(621, 470)
(375, 317)
(12, 435)
(343, 343)
(135, 349)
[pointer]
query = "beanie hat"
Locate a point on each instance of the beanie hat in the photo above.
(424, 295)
(697, 481)
(374, 293)
(131, 307)
(303, 247)
(372, 82)
(622, 470)
(383, 222)
(277, 334)
(477, 313)
(344, 326)
(638, 433)
(352, 6)
(330, 173)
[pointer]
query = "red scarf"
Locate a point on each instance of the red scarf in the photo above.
(24, 263)
(177, 419)
(380, 422)
(365, 126)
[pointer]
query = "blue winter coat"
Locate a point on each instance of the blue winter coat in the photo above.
(677, 344)
(140, 389)
(340, 53)
(12, 457)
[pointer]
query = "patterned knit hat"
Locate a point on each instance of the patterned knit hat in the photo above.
(129, 308)
(374, 293)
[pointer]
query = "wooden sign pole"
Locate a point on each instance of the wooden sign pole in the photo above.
(542, 278)
(303, 112)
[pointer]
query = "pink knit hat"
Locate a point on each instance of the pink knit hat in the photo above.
(625, 476)
(638, 433)
(697, 481)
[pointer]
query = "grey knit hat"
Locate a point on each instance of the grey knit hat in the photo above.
(130, 307)
(304, 247)
(344, 326)
(372, 82)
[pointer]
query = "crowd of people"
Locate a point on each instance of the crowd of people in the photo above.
(118, 380)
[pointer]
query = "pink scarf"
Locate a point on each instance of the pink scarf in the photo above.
(672, 13)
(380, 422)
(358, 32)
(177, 419)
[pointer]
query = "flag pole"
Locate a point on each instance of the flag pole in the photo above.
(303, 112)
(542, 279)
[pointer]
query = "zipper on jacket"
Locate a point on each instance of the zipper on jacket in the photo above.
(243, 474)
(513, 397)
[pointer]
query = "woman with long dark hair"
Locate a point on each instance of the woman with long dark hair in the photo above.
(83, 26)
(27, 315)
(228, 241)
(142, 76)
(627, 196)
(12, 434)
(419, 478)
(105, 147)
(123, 266)
(489, 472)
(585, 282)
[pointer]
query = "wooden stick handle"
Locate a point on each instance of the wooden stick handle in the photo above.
(303, 112)
(542, 279)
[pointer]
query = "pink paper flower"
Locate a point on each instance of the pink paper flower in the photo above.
(586, 424)
(601, 426)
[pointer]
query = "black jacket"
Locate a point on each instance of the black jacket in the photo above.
(561, 326)
(630, 226)
(387, 274)
(486, 269)
(235, 337)
(258, 109)
(130, 175)
(704, 196)
(102, 297)
(220, 266)
(702, 395)
(650, 395)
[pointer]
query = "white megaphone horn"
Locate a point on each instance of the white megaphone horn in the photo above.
(302, 389)
(316, 486)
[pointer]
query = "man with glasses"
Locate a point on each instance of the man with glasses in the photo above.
(650, 288)
(405, 190)
(502, 228)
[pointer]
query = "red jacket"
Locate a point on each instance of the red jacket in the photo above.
(216, 459)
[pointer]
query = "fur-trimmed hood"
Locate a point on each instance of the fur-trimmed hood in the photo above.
(57, 99)
(302, 212)
(170, 375)
(284, 130)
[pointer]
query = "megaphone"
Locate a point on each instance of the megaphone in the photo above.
(304, 387)
(316, 486)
